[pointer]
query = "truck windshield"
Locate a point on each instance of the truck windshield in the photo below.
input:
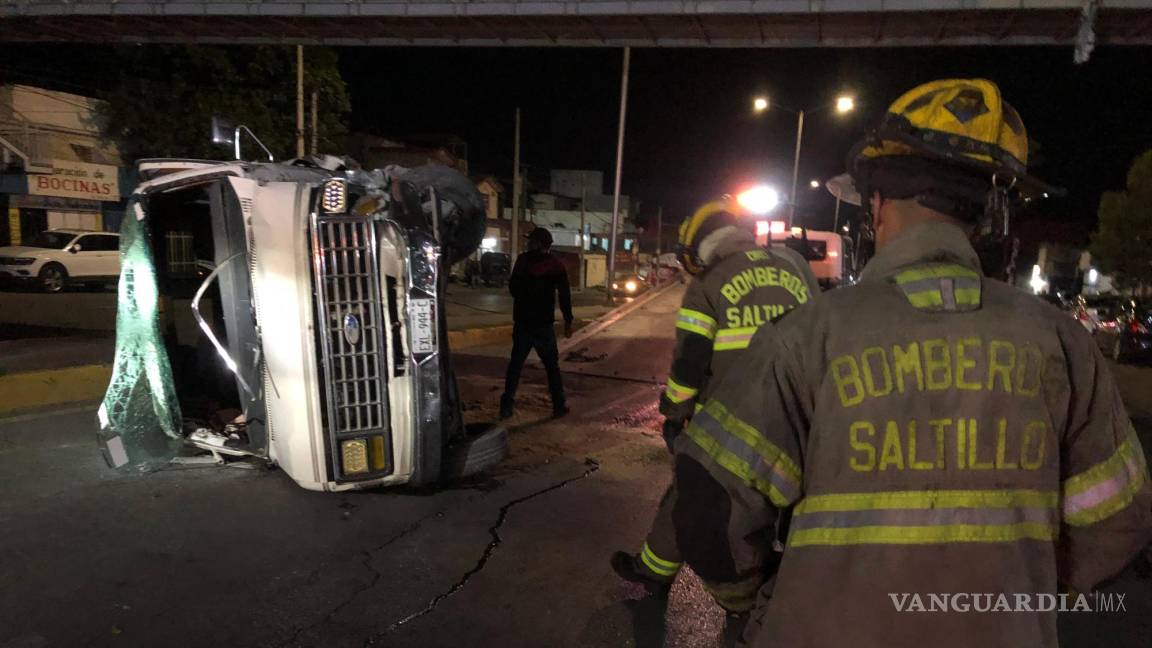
(50, 240)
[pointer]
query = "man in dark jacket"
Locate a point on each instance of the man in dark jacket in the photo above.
(536, 279)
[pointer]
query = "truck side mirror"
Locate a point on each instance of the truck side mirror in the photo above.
(223, 131)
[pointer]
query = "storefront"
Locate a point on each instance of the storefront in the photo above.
(76, 195)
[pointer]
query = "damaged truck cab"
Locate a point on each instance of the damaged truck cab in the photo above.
(293, 312)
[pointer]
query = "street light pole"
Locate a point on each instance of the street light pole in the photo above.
(514, 239)
(796, 168)
(659, 235)
(583, 242)
(299, 101)
(619, 167)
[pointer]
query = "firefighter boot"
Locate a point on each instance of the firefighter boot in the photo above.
(632, 569)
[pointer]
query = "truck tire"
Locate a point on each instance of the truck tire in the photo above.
(53, 277)
(482, 446)
(462, 217)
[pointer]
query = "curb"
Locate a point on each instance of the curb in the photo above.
(38, 389)
(611, 317)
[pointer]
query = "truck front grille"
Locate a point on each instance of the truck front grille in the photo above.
(351, 333)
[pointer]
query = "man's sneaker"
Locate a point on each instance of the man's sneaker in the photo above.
(560, 412)
(627, 567)
(505, 408)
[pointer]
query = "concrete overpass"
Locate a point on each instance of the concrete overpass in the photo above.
(640, 23)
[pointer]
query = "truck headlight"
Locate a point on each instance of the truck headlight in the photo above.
(630, 286)
(334, 198)
(354, 456)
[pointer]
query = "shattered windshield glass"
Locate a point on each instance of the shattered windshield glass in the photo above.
(140, 416)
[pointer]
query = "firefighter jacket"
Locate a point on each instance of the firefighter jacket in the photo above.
(939, 435)
(744, 287)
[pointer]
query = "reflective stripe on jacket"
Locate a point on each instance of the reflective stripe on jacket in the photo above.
(746, 287)
(937, 433)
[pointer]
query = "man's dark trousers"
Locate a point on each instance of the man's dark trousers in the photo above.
(543, 340)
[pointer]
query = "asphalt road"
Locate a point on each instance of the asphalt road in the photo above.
(213, 556)
(226, 556)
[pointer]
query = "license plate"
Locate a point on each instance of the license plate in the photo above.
(423, 317)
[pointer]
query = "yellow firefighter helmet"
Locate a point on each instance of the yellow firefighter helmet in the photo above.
(708, 218)
(962, 121)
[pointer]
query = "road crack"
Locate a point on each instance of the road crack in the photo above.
(494, 531)
(366, 558)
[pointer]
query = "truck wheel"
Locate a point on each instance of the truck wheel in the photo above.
(482, 446)
(53, 276)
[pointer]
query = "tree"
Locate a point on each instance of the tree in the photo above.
(1122, 243)
(162, 98)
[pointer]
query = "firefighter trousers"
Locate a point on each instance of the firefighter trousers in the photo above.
(660, 557)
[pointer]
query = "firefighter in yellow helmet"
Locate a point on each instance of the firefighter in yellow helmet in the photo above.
(737, 288)
(939, 435)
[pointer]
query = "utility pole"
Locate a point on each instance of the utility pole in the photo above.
(795, 169)
(514, 243)
(583, 197)
(619, 168)
(315, 121)
(299, 101)
(659, 236)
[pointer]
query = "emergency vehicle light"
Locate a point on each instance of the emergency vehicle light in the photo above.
(759, 200)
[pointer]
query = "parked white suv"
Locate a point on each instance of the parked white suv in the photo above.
(57, 257)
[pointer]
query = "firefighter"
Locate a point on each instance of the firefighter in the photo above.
(938, 433)
(738, 287)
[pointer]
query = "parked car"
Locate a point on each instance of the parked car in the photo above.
(1091, 311)
(58, 257)
(1127, 334)
(495, 268)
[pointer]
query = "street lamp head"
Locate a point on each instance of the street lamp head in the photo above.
(845, 103)
(760, 104)
(815, 184)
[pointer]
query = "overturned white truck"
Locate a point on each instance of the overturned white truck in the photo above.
(293, 312)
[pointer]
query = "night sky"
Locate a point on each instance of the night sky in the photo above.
(691, 132)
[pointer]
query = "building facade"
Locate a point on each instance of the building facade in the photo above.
(56, 168)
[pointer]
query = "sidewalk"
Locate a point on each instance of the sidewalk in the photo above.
(43, 366)
(483, 307)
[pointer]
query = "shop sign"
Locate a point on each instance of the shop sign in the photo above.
(77, 180)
